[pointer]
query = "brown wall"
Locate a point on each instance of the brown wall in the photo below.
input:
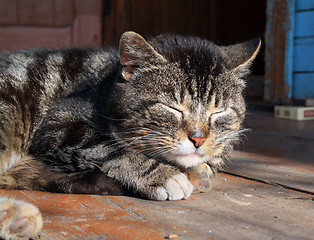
(50, 23)
(64, 23)
(222, 21)
(80, 22)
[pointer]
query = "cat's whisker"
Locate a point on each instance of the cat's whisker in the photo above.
(146, 138)
(233, 137)
(156, 148)
(131, 141)
(141, 140)
(141, 132)
(144, 129)
(159, 152)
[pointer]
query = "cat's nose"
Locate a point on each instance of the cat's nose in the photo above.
(197, 141)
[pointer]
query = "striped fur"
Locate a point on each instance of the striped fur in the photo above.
(108, 122)
(129, 115)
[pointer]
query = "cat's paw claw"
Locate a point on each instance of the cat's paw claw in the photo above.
(176, 188)
(18, 220)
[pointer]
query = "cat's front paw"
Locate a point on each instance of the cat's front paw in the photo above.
(200, 177)
(18, 220)
(177, 187)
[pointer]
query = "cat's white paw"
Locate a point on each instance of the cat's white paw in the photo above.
(18, 220)
(177, 187)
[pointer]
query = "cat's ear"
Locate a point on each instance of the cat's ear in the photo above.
(239, 57)
(137, 54)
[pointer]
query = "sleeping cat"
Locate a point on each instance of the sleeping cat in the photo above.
(110, 122)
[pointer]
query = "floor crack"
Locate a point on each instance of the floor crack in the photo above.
(126, 209)
(269, 182)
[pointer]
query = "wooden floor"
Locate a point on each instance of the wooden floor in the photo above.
(267, 192)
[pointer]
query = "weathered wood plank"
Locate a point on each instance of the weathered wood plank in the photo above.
(114, 21)
(263, 124)
(144, 17)
(64, 12)
(253, 166)
(8, 12)
(87, 31)
(235, 209)
(87, 28)
(176, 16)
(12, 38)
(277, 150)
(279, 51)
(280, 148)
(36, 12)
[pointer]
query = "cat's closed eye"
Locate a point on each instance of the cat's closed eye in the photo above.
(223, 122)
(215, 115)
(170, 110)
(165, 116)
(178, 113)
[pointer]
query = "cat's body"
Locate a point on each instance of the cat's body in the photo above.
(97, 121)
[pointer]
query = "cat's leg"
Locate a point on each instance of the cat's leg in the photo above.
(200, 177)
(147, 176)
(31, 174)
(27, 173)
(18, 220)
(153, 179)
(86, 182)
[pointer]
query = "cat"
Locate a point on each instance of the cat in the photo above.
(103, 121)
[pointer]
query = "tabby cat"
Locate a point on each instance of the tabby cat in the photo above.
(110, 122)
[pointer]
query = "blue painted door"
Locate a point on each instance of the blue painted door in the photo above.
(303, 50)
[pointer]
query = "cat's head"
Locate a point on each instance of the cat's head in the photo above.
(180, 98)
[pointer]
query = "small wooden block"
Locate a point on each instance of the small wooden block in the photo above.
(295, 113)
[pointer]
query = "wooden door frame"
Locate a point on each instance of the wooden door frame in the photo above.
(279, 51)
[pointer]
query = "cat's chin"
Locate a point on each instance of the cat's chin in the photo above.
(189, 160)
